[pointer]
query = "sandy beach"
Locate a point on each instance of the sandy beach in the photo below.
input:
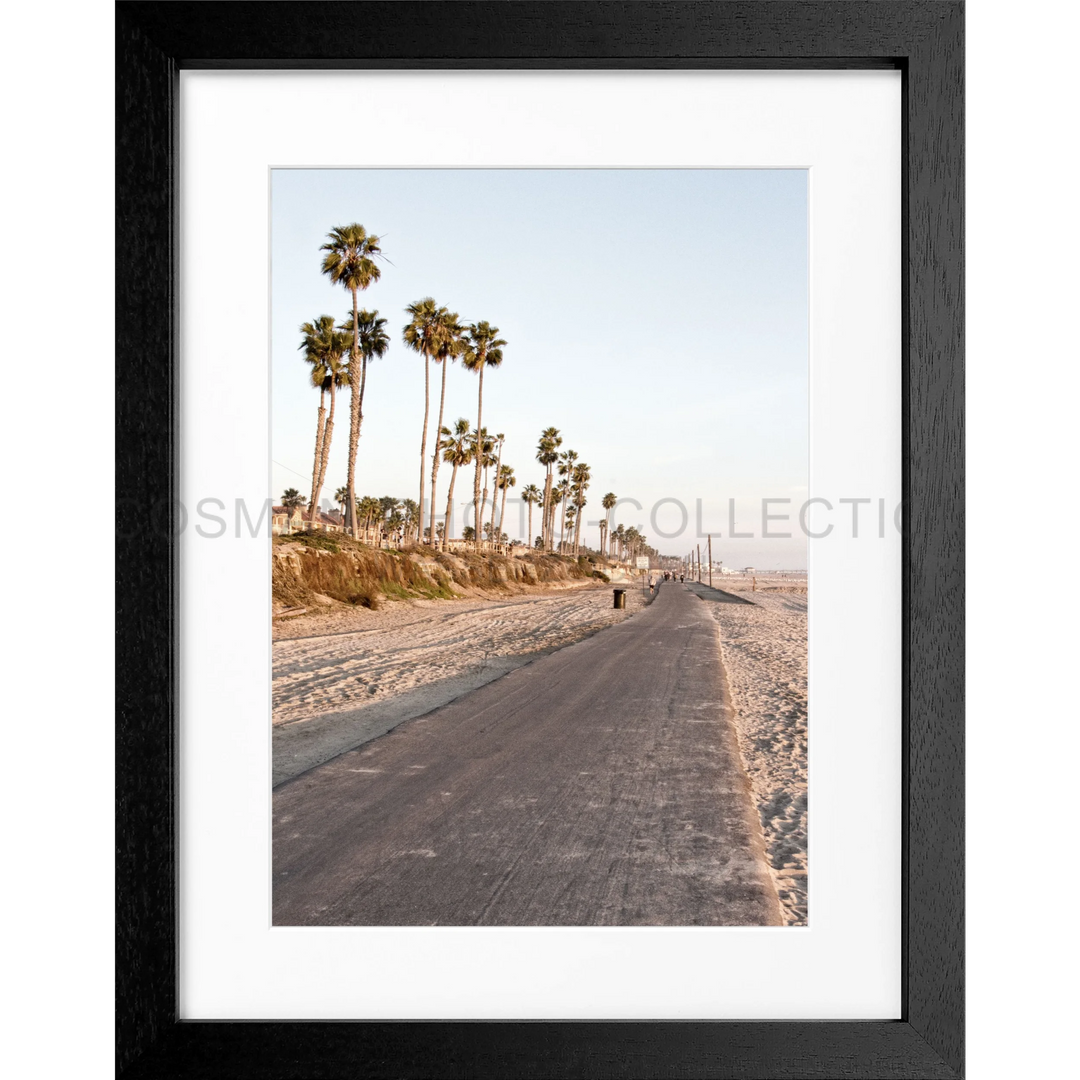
(344, 678)
(764, 649)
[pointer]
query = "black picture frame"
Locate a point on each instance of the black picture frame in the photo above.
(924, 40)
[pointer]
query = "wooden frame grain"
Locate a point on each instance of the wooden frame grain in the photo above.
(924, 40)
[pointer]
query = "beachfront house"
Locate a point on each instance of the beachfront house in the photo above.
(286, 521)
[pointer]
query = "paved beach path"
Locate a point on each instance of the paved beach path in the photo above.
(600, 785)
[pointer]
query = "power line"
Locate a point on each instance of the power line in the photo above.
(302, 476)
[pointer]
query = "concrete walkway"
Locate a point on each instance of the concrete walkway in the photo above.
(599, 786)
(718, 596)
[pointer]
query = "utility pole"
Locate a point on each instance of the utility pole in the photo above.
(710, 560)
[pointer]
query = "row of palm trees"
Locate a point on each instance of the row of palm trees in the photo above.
(439, 336)
(385, 518)
(569, 492)
(338, 356)
(436, 333)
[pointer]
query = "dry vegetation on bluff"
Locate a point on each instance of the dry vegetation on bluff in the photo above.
(317, 571)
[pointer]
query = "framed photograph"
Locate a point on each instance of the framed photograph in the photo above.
(624, 736)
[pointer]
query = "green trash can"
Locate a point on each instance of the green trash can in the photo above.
(620, 598)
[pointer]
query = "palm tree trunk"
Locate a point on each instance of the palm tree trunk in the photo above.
(359, 424)
(498, 468)
(479, 463)
(449, 509)
(354, 416)
(483, 503)
(318, 446)
(551, 515)
(545, 524)
(423, 438)
(502, 512)
(529, 538)
(328, 434)
(562, 527)
(435, 459)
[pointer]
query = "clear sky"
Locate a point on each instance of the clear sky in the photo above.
(658, 318)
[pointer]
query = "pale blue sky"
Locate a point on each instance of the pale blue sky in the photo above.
(658, 318)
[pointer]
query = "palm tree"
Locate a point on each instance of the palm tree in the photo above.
(580, 481)
(425, 334)
(341, 497)
(374, 343)
(530, 494)
(319, 380)
(547, 453)
(410, 514)
(482, 445)
(448, 347)
(566, 470)
(369, 509)
(504, 479)
(350, 261)
(389, 507)
(483, 349)
(499, 440)
(558, 494)
(457, 450)
(395, 525)
(324, 349)
(608, 503)
(292, 500)
(488, 459)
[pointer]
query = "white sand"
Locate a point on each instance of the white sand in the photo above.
(764, 652)
(342, 679)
